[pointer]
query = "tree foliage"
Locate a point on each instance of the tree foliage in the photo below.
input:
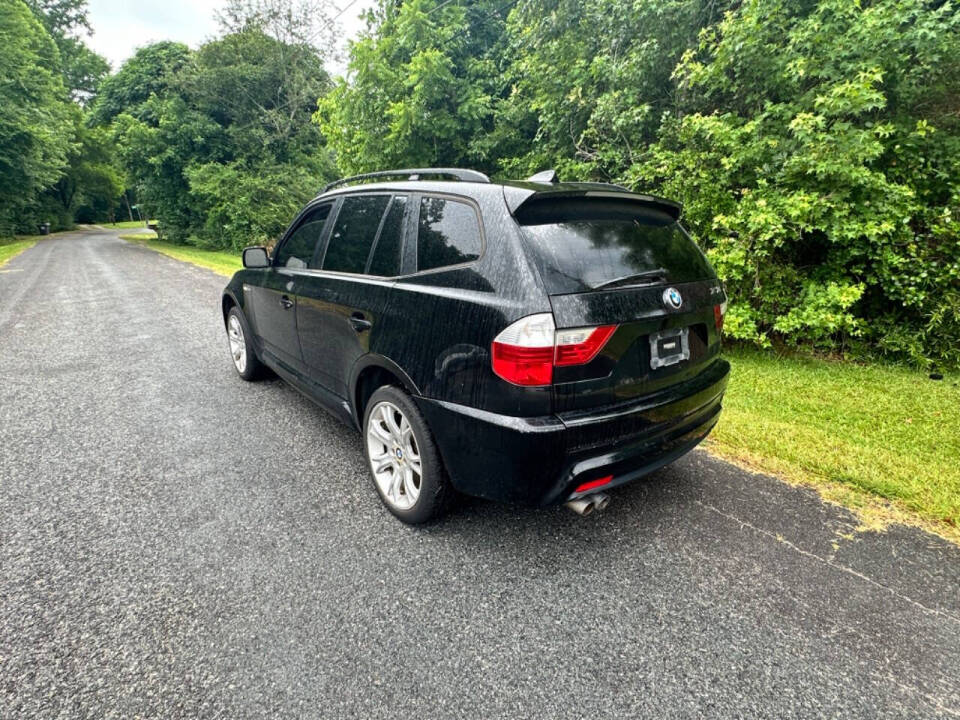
(817, 149)
(149, 72)
(90, 182)
(35, 123)
(219, 142)
(82, 69)
(421, 79)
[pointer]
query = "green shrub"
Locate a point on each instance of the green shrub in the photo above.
(819, 162)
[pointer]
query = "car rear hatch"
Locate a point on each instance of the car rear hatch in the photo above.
(621, 263)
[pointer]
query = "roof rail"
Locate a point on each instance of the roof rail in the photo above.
(413, 174)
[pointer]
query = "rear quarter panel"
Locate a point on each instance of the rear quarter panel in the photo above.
(438, 325)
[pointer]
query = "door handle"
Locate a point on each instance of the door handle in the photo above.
(359, 322)
(286, 302)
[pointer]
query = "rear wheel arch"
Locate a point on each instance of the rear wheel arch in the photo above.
(227, 302)
(374, 372)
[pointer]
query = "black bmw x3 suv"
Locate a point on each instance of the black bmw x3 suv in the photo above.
(533, 342)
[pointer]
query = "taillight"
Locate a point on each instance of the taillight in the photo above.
(526, 352)
(523, 352)
(718, 312)
(581, 345)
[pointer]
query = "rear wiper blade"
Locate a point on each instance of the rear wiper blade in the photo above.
(647, 277)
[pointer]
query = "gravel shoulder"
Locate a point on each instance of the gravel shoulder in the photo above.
(175, 543)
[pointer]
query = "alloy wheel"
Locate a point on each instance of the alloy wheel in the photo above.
(238, 345)
(394, 456)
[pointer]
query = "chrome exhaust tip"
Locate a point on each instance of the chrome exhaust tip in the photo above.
(581, 506)
(589, 504)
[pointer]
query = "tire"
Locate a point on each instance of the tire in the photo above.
(240, 339)
(398, 453)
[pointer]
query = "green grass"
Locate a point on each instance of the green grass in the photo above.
(220, 261)
(856, 432)
(126, 224)
(11, 247)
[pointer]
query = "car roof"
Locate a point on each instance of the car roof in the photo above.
(515, 192)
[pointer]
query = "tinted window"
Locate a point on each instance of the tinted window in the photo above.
(582, 248)
(449, 233)
(297, 251)
(353, 233)
(386, 256)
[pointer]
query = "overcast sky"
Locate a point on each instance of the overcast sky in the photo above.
(121, 26)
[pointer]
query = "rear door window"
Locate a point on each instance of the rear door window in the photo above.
(353, 233)
(385, 261)
(448, 233)
(582, 246)
(297, 250)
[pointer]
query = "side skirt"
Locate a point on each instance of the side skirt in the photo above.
(335, 405)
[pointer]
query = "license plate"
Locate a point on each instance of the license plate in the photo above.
(668, 347)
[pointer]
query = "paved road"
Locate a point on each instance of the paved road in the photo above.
(176, 543)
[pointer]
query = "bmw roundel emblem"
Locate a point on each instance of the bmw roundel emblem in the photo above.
(672, 298)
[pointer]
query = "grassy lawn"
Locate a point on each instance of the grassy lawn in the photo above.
(11, 247)
(126, 224)
(858, 433)
(220, 261)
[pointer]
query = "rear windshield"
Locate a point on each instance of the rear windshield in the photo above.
(582, 246)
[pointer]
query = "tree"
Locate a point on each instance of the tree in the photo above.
(219, 143)
(82, 69)
(816, 146)
(419, 88)
(150, 71)
(586, 83)
(34, 118)
(92, 182)
(293, 23)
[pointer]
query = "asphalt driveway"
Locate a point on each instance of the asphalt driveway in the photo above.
(175, 543)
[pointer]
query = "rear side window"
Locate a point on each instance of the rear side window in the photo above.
(386, 255)
(353, 233)
(299, 247)
(583, 246)
(448, 233)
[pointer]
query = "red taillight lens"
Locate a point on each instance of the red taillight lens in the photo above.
(523, 365)
(580, 346)
(526, 352)
(523, 352)
(718, 312)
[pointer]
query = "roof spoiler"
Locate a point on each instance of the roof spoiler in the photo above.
(517, 197)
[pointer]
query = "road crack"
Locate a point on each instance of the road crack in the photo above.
(828, 562)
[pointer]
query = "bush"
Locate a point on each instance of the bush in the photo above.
(819, 164)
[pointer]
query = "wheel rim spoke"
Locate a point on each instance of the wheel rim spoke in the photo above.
(378, 433)
(395, 482)
(415, 466)
(409, 489)
(393, 425)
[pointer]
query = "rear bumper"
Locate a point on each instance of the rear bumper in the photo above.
(540, 461)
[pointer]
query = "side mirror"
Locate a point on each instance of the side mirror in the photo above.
(255, 257)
